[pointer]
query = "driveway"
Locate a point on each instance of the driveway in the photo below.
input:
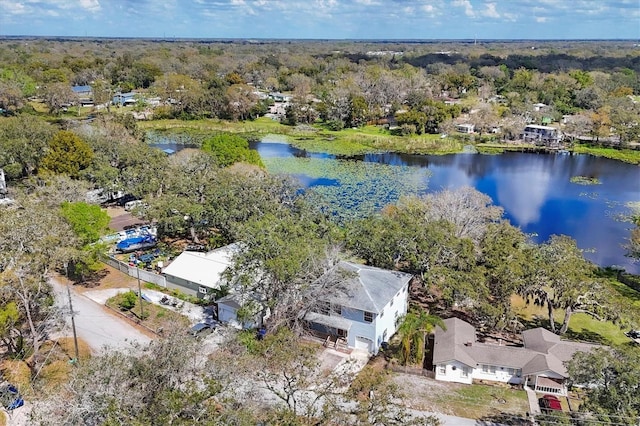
(95, 324)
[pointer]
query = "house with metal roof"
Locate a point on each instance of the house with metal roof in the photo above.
(538, 364)
(84, 94)
(199, 274)
(362, 311)
(124, 99)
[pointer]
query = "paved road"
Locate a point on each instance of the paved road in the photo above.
(95, 324)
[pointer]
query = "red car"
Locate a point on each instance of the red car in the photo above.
(550, 403)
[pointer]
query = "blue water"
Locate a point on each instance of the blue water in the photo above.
(534, 190)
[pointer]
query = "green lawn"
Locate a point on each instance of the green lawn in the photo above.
(581, 326)
(626, 155)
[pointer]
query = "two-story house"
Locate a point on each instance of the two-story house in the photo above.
(364, 309)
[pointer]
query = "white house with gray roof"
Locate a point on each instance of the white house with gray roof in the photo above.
(539, 363)
(364, 312)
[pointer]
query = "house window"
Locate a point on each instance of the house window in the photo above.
(391, 303)
(488, 369)
(442, 369)
(368, 317)
(464, 372)
(342, 333)
(384, 335)
(511, 371)
(381, 313)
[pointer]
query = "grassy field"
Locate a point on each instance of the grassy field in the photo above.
(626, 155)
(581, 326)
(345, 142)
(155, 317)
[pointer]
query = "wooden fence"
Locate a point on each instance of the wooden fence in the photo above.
(416, 371)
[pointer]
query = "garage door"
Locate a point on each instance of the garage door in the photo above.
(363, 343)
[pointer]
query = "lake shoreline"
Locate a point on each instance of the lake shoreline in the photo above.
(366, 140)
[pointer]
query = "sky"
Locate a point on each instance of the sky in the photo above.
(324, 19)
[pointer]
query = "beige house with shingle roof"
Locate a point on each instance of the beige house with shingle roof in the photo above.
(539, 364)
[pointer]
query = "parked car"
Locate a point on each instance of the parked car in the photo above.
(146, 258)
(633, 334)
(202, 328)
(130, 205)
(550, 403)
(125, 199)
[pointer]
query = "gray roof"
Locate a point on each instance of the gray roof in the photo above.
(449, 343)
(329, 320)
(555, 350)
(367, 288)
(542, 351)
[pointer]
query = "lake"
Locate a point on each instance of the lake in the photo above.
(535, 190)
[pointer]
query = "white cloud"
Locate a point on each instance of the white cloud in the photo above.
(13, 8)
(490, 11)
(466, 4)
(431, 10)
(541, 19)
(90, 5)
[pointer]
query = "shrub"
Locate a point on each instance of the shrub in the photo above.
(128, 300)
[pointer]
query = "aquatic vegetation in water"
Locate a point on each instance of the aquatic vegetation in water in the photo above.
(585, 180)
(356, 188)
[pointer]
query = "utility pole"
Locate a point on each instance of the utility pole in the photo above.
(140, 294)
(73, 321)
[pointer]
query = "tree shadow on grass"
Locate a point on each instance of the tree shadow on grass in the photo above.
(586, 336)
(90, 280)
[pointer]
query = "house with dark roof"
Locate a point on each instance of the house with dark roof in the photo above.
(363, 310)
(538, 364)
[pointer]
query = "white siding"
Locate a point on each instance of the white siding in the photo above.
(498, 374)
(454, 372)
(395, 309)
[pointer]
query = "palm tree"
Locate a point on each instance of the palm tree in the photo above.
(415, 326)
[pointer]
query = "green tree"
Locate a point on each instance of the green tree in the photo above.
(67, 154)
(610, 380)
(35, 239)
(229, 149)
(58, 96)
(23, 143)
(503, 258)
(280, 256)
(559, 277)
(88, 221)
(412, 332)
(11, 97)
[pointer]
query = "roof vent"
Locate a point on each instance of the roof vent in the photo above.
(468, 343)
